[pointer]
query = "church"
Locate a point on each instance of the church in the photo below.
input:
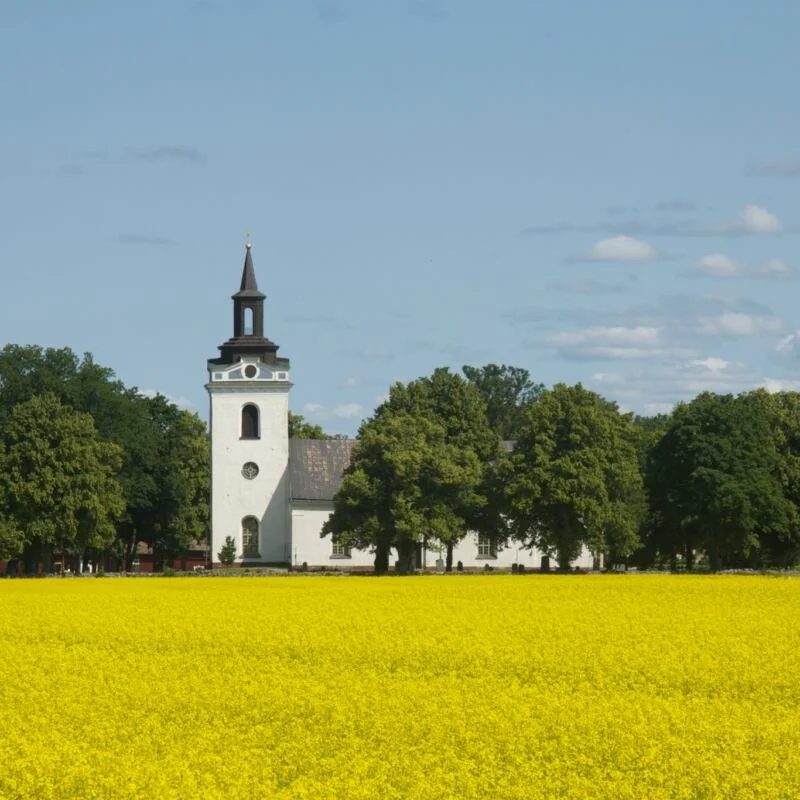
(272, 494)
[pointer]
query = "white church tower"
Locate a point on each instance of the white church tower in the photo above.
(249, 393)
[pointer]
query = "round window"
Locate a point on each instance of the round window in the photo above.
(250, 470)
(250, 371)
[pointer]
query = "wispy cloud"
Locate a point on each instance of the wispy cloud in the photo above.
(751, 220)
(615, 343)
(321, 412)
(620, 249)
(737, 324)
(777, 169)
(718, 265)
(169, 152)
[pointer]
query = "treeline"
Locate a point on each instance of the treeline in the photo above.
(89, 469)
(717, 481)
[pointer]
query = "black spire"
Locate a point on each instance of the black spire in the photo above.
(249, 287)
(248, 321)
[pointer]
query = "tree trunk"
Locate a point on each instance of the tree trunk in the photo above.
(131, 552)
(382, 557)
(714, 559)
(29, 559)
(406, 552)
(689, 559)
(448, 565)
(563, 555)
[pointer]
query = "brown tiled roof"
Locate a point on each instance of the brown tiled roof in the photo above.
(316, 467)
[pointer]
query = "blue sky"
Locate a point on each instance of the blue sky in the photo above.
(597, 192)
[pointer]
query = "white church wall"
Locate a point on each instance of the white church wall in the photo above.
(309, 547)
(265, 497)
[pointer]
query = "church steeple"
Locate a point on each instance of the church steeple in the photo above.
(248, 273)
(248, 320)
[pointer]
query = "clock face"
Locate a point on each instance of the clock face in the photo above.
(250, 371)
(250, 470)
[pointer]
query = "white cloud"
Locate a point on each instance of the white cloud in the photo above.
(651, 409)
(738, 324)
(621, 248)
(718, 265)
(788, 343)
(776, 267)
(615, 342)
(321, 412)
(756, 219)
(182, 402)
(773, 385)
(713, 364)
(348, 411)
(608, 335)
(608, 377)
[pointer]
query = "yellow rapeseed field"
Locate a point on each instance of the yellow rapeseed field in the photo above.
(423, 687)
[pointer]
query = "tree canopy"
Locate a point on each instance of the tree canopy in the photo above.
(58, 481)
(418, 472)
(163, 453)
(576, 478)
(505, 390)
(714, 480)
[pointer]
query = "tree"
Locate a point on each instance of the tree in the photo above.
(405, 483)
(782, 547)
(505, 390)
(300, 429)
(227, 555)
(418, 472)
(459, 407)
(58, 482)
(714, 482)
(576, 478)
(178, 463)
(165, 470)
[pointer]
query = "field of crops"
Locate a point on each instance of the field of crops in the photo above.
(426, 687)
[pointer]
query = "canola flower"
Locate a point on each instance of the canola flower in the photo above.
(423, 687)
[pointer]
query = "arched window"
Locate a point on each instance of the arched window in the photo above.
(250, 422)
(249, 537)
(248, 322)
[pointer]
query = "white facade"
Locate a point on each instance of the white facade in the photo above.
(237, 494)
(308, 547)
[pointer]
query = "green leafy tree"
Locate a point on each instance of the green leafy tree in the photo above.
(781, 547)
(179, 465)
(165, 470)
(300, 429)
(459, 407)
(418, 472)
(714, 481)
(227, 555)
(58, 482)
(405, 484)
(576, 478)
(505, 390)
